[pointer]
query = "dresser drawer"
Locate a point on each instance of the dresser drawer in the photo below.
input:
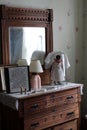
(72, 125)
(60, 99)
(34, 105)
(63, 97)
(40, 103)
(52, 117)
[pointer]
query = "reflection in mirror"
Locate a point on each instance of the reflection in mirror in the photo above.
(26, 43)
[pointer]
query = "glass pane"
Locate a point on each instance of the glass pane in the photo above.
(27, 43)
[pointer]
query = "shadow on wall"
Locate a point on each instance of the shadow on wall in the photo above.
(84, 108)
(84, 101)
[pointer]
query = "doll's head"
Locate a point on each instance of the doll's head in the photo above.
(58, 59)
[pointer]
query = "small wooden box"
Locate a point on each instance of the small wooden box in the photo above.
(45, 77)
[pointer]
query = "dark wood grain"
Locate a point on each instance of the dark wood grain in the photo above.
(13, 16)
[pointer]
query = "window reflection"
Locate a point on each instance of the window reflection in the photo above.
(24, 41)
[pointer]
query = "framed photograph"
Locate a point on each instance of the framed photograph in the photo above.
(17, 78)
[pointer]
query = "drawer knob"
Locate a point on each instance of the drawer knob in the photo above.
(69, 97)
(34, 106)
(34, 124)
(70, 113)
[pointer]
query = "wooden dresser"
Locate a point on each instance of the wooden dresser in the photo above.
(51, 110)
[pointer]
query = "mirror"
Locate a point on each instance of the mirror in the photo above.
(24, 42)
(14, 43)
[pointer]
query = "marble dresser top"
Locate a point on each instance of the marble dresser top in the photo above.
(12, 99)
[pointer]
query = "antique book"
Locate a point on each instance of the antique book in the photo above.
(17, 78)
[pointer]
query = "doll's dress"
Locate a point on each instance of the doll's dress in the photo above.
(57, 73)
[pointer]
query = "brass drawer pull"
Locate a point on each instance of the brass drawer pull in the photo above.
(34, 106)
(70, 113)
(69, 97)
(35, 124)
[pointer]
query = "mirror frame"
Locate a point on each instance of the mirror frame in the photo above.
(23, 17)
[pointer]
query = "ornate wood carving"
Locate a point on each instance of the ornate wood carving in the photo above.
(12, 16)
(26, 14)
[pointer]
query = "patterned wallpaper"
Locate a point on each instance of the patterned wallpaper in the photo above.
(68, 35)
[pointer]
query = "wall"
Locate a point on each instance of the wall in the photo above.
(67, 30)
(68, 34)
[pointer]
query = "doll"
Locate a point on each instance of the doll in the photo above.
(57, 72)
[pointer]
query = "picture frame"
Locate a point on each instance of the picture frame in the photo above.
(2, 77)
(17, 78)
